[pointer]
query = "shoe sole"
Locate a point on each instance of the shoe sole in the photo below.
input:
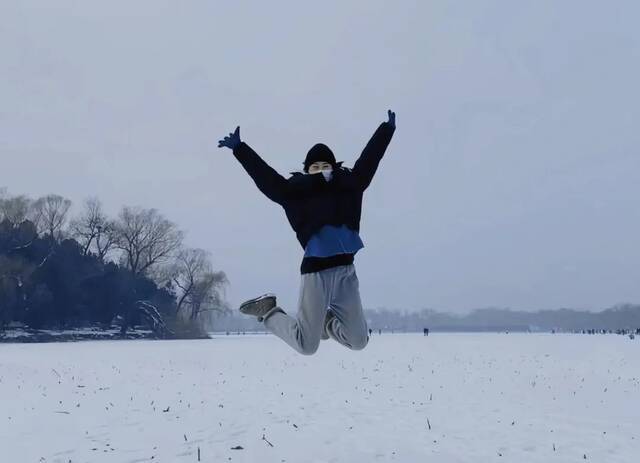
(258, 299)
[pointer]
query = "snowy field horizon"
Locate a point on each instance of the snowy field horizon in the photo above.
(406, 397)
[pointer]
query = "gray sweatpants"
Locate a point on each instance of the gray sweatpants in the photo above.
(335, 288)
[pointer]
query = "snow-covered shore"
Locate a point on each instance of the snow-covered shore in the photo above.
(406, 398)
(24, 335)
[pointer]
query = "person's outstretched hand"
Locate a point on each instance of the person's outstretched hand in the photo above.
(392, 118)
(231, 141)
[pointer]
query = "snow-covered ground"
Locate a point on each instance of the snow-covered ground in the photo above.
(406, 398)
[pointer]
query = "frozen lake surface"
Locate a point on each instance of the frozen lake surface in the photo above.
(405, 398)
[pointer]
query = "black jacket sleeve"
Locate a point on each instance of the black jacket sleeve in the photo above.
(367, 164)
(270, 182)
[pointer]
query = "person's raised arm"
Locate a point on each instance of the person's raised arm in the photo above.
(367, 164)
(270, 182)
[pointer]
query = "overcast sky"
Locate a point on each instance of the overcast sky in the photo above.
(513, 178)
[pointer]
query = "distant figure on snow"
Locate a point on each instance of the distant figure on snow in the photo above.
(323, 206)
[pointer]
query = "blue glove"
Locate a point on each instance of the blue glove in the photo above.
(232, 141)
(392, 118)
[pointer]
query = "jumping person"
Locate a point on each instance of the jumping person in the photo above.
(323, 206)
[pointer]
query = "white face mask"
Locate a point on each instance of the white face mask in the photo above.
(324, 168)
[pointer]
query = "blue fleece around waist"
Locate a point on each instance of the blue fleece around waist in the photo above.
(330, 241)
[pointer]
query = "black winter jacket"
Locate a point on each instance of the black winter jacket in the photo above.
(309, 201)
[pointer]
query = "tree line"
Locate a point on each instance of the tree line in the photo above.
(64, 271)
(618, 317)
(621, 317)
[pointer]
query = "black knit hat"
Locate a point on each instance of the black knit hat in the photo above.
(319, 153)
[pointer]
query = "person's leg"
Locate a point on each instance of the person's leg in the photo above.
(349, 326)
(303, 332)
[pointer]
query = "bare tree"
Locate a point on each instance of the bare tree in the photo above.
(207, 295)
(199, 286)
(189, 267)
(93, 229)
(16, 209)
(146, 238)
(16, 221)
(51, 214)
